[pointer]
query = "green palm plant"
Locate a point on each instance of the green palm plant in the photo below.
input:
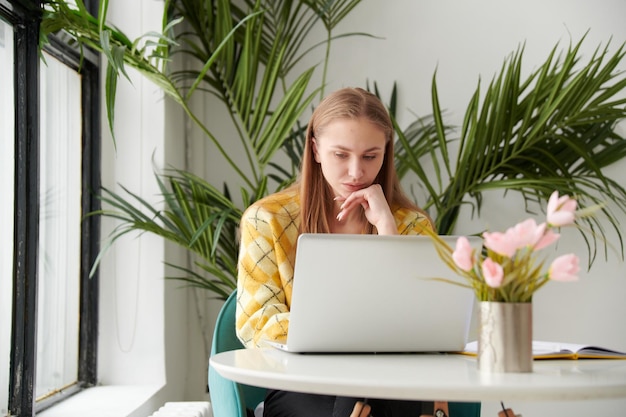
(552, 130)
(245, 56)
(251, 73)
(196, 216)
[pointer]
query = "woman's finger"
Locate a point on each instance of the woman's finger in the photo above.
(361, 409)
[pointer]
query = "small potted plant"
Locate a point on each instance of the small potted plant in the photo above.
(504, 275)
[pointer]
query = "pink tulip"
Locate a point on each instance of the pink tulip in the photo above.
(547, 239)
(526, 233)
(564, 268)
(500, 243)
(463, 254)
(560, 210)
(493, 273)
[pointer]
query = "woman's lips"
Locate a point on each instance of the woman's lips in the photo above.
(353, 187)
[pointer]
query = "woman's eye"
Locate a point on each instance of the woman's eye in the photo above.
(369, 157)
(340, 155)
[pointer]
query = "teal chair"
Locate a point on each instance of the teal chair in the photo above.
(464, 409)
(231, 399)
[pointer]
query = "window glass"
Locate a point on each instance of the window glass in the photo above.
(59, 228)
(7, 147)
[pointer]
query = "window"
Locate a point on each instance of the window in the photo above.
(50, 162)
(59, 230)
(6, 210)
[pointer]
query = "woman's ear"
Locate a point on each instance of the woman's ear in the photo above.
(316, 154)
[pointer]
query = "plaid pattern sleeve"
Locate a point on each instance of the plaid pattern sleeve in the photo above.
(265, 270)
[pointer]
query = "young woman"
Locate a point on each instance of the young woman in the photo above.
(347, 184)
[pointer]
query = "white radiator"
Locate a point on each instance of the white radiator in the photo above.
(184, 409)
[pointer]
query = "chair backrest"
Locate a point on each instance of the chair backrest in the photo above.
(457, 409)
(229, 398)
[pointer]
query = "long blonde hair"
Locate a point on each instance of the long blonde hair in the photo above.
(316, 197)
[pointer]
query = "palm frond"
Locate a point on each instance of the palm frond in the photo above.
(196, 216)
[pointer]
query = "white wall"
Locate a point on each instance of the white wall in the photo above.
(131, 287)
(152, 331)
(145, 331)
(464, 41)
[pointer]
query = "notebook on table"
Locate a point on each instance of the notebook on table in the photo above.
(370, 293)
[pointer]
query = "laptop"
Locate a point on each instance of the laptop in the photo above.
(371, 293)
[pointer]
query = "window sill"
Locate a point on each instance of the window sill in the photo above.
(107, 401)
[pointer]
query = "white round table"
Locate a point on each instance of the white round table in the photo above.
(421, 376)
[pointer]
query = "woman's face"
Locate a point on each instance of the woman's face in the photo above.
(350, 152)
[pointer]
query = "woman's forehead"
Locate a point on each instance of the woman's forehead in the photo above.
(345, 125)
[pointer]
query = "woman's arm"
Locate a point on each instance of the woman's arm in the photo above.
(262, 309)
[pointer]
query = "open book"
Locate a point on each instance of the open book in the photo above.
(557, 350)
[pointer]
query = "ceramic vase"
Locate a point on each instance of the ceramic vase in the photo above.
(505, 337)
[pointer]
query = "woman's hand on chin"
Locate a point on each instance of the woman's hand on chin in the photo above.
(374, 203)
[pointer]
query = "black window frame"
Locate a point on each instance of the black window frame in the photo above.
(25, 17)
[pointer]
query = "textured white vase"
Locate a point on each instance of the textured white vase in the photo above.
(505, 337)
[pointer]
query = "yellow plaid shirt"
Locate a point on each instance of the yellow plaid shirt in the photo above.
(269, 231)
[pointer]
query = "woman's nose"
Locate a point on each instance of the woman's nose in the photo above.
(355, 169)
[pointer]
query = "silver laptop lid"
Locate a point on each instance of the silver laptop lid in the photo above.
(370, 293)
